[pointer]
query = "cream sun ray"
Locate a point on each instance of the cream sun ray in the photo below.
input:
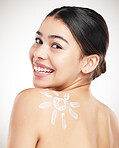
(66, 96)
(73, 114)
(53, 118)
(45, 105)
(75, 104)
(55, 93)
(46, 94)
(63, 121)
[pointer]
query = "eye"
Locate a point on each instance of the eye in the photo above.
(38, 41)
(56, 46)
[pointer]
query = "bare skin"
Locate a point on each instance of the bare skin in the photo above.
(31, 127)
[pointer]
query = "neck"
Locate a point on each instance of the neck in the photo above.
(79, 85)
(84, 86)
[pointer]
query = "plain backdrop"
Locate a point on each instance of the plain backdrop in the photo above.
(19, 21)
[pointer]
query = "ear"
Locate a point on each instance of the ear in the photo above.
(90, 63)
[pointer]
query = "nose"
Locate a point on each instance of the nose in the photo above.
(41, 52)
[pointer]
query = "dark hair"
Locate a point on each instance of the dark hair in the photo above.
(89, 30)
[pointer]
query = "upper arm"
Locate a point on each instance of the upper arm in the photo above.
(23, 128)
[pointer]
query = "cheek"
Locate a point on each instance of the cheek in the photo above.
(66, 62)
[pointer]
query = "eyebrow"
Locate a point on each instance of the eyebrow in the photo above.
(53, 36)
(39, 33)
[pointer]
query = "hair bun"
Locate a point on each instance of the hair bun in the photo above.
(101, 68)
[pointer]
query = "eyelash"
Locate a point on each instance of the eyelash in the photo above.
(38, 39)
(57, 46)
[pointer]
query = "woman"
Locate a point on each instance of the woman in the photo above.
(69, 52)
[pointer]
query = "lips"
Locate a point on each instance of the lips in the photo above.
(43, 66)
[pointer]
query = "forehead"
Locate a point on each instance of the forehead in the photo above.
(52, 26)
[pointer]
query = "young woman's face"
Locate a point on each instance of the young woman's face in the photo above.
(55, 56)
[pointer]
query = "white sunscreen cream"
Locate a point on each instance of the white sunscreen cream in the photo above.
(60, 104)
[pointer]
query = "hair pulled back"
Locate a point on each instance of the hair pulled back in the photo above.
(89, 30)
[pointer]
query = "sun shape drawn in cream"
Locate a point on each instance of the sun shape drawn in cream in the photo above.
(60, 104)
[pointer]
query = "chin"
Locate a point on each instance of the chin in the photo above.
(40, 84)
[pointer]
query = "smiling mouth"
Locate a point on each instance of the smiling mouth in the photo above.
(42, 70)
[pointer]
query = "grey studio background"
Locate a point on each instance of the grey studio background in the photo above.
(19, 20)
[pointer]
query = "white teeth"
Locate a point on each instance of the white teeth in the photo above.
(35, 68)
(39, 69)
(42, 70)
(45, 70)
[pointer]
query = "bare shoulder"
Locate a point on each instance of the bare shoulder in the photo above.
(27, 101)
(26, 118)
(108, 124)
(114, 128)
(26, 104)
(32, 95)
(105, 112)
